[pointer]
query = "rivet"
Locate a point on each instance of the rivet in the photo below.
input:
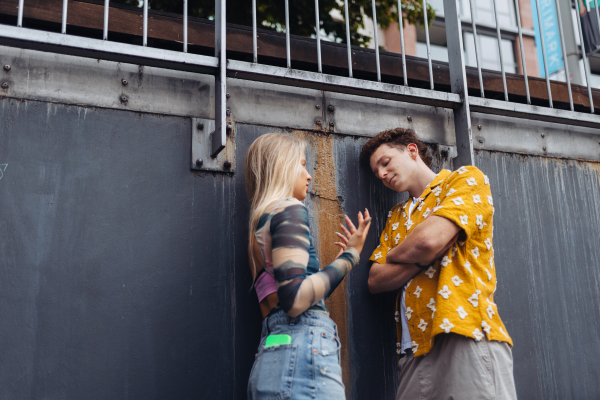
(480, 140)
(199, 163)
(227, 164)
(123, 99)
(228, 112)
(543, 135)
(315, 351)
(544, 148)
(317, 106)
(323, 333)
(124, 82)
(332, 124)
(318, 122)
(479, 127)
(229, 128)
(7, 67)
(227, 95)
(331, 108)
(409, 118)
(5, 85)
(200, 126)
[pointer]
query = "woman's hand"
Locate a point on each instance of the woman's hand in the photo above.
(356, 236)
(343, 244)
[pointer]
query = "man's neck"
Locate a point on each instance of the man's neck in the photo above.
(423, 177)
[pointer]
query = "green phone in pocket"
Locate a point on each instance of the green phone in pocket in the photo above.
(275, 340)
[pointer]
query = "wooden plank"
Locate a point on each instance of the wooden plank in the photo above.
(168, 28)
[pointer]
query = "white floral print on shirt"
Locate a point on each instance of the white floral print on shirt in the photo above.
(446, 325)
(445, 292)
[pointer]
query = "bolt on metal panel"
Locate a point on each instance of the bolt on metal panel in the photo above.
(203, 131)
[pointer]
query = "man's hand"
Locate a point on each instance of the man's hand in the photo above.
(427, 242)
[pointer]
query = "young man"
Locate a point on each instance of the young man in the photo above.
(437, 249)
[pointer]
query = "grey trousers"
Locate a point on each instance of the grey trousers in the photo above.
(458, 367)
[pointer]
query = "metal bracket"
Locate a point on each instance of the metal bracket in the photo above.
(203, 131)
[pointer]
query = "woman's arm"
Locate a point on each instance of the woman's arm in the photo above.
(296, 291)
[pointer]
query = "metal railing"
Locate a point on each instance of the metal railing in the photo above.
(458, 99)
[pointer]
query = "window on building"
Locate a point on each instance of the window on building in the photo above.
(488, 53)
(484, 12)
(438, 53)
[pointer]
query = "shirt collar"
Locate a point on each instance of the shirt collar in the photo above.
(437, 180)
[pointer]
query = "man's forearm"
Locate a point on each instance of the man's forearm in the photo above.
(428, 241)
(388, 277)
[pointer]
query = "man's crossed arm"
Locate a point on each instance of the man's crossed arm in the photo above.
(427, 242)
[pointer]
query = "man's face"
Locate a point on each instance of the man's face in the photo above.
(394, 166)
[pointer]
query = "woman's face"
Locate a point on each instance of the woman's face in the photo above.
(302, 180)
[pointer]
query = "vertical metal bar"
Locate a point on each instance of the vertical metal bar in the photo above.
(254, 44)
(564, 51)
(401, 22)
(287, 34)
(376, 41)
(597, 13)
(348, 39)
(537, 6)
(458, 85)
(64, 16)
(428, 48)
(500, 51)
(476, 48)
(145, 30)
(318, 30)
(20, 14)
(185, 26)
(585, 62)
(219, 135)
(523, 53)
(105, 30)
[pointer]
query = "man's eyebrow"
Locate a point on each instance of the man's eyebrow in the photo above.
(377, 162)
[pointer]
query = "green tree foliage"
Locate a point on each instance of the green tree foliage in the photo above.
(271, 14)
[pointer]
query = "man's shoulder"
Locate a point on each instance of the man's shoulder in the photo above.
(468, 178)
(466, 171)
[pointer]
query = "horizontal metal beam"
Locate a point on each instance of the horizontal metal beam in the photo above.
(312, 80)
(526, 111)
(101, 49)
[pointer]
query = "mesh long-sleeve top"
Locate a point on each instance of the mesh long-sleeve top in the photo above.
(285, 243)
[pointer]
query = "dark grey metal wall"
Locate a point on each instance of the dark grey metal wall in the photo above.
(546, 231)
(124, 275)
(116, 278)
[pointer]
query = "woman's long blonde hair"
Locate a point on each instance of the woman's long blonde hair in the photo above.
(272, 166)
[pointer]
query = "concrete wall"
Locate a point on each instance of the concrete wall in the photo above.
(123, 274)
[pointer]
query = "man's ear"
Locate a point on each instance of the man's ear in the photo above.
(413, 150)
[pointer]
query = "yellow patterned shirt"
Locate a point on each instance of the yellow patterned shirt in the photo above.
(456, 294)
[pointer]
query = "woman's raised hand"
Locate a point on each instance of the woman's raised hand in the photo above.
(352, 236)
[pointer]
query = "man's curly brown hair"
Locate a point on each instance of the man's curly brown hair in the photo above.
(399, 138)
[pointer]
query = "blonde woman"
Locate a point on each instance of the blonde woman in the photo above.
(298, 356)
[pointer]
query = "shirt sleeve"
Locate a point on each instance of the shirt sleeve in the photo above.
(386, 241)
(290, 234)
(466, 199)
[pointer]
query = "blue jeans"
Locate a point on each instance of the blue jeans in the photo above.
(308, 368)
